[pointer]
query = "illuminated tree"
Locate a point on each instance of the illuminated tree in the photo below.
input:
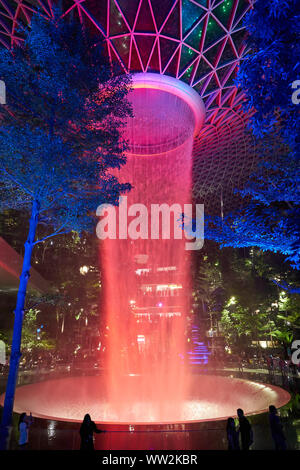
(60, 133)
(271, 217)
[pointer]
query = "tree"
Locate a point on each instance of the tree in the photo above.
(60, 133)
(270, 218)
(240, 325)
(33, 337)
(71, 266)
(236, 288)
(259, 311)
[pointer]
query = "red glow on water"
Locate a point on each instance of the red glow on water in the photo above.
(146, 281)
(211, 398)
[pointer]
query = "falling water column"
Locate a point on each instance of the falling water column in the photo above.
(147, 268)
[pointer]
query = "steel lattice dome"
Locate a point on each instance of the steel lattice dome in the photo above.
(200, 42)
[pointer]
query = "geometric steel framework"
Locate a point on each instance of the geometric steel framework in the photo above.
(225, 155)
(200, 42)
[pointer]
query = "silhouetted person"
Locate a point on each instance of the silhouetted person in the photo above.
(24, 424)
(245, 430)
(276, 429)
(87, 429)
(232, 435)
(270, 364)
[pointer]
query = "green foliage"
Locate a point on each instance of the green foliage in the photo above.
(242, 325)
(237, 287)
(284, 337)
(30, 341)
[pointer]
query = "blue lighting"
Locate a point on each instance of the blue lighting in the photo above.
(199, 353)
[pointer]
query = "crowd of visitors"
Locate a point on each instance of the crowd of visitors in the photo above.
(241, 437)
(53, 361)
(273, 363)
(242, 431)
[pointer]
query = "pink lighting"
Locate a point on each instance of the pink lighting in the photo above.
(147, 337)
(199, 43)
(68, 399)
(188, 112)
(175, 87)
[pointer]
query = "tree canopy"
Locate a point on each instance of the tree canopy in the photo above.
(61, 130)
(271, 213)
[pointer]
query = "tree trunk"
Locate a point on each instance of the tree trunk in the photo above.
(15, 356)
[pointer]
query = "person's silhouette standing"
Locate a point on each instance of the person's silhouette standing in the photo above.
(276, 429)
(87, 429)
(245, 430)
(24, 424)
(232, 435)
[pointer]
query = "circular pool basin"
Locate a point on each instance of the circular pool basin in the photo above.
(212, 398)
